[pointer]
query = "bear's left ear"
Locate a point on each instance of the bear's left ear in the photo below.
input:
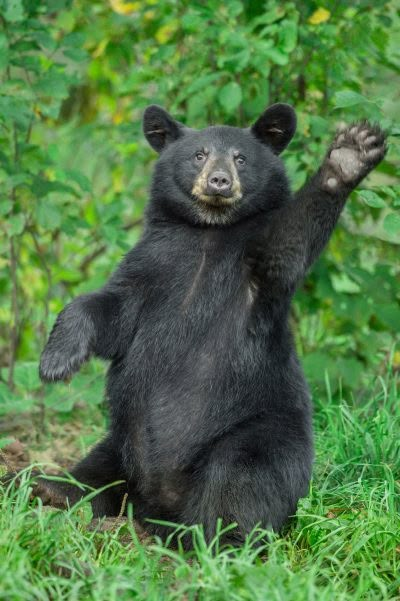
(276, 126)
(160, 128)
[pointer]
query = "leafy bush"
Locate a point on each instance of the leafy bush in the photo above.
(74, 168)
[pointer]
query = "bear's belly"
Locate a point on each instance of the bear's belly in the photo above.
(188, 383)
(189, 362)
(200, 363)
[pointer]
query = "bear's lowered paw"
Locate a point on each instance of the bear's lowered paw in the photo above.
(355, 151)
(61, 365)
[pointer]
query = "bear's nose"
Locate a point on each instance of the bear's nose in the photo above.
(219, 182)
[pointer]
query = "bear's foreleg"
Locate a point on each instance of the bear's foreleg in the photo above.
(88, 325)
(297, 233)
(355, 151)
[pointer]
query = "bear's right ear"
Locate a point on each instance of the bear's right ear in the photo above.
(160, 128)
(276, 126)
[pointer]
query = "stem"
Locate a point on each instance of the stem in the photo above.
(14, 328)
(15, 322)
(47, 270)
(88, 260)
(43, 327)
(301, 87)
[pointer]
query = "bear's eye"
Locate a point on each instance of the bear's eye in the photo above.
(240, 159)
(200, 156)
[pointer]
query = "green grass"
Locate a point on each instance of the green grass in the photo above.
(343, 544)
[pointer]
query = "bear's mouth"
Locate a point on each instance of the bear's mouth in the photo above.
(216, 209)
(217, 201)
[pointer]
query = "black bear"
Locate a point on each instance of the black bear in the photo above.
(210, 411)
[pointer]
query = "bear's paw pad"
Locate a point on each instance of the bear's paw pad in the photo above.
(355, 151)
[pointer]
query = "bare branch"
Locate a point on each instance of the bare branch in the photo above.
(88, 260)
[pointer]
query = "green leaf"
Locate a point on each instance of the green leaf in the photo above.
(76, 54)
(277, 56)
(287, 36)
(18, 88)
(269, 16)
(5, 207)
(48, 215)
(24, 46)
(74, 39)
(60, 398)
(6, 396)
(256, 105)
(342, 283)
(13, 402)
(372, 199)
(14, 11)
(315, 364)
(197, 102)
(29, 62)
(42, 187)
(90, 388)
(191, 22)
(70, 225)
(349, 370)
(347, 98)
(5, 441)
(44, 39)
(26, 375)
(199, 84)
(110, 233)
(230, 96)
(67, 274)
(235, 7)
(15, 110)
(16, 224)
(79, 178)
(391, 224)
(319, 126)
(389, 190)
(389, 314)
(54, 84)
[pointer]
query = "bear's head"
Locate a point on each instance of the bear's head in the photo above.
(221, 174)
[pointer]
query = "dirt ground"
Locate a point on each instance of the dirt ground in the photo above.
(55, 442)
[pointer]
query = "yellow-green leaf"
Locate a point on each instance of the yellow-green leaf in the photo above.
(321, 15)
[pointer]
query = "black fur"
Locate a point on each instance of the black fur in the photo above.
(210, 412)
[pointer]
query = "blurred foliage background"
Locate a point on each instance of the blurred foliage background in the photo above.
(75, 169)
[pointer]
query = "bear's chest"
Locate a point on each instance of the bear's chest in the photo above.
(201, 279)
(197, 323)
(202, 299)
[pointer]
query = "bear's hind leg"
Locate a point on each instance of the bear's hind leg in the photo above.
(100, 468)
(253, 477)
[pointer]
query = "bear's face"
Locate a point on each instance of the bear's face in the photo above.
(221, 174)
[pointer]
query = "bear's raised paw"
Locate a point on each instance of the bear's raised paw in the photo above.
(355, 151)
